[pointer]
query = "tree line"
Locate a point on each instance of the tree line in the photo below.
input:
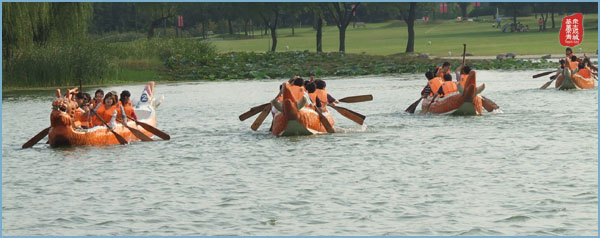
(27, 24)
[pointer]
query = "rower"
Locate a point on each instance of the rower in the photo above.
(126, 106)
(81, 118)
(462, 74)
(448, 87)
(444, 69)
(434, 83)
(322, 95)
(107, 111)
(98, 97)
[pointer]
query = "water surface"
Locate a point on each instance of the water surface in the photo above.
(530, 170)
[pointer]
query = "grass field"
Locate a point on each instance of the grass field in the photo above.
(390, 38)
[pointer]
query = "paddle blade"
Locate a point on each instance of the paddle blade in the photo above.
(253, 111)
(488, 104)
(137, 133)
(120, 138)
(360, 98)
(546, 84)
(543, 74)
(413, 107)
(259, 120)
(36, 138)
(352, 115)
(154, 131)
(325, 122)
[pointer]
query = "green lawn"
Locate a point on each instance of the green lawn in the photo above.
(390, 38)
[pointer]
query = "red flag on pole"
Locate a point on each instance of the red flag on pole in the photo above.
(180, 21)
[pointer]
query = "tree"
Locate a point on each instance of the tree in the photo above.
(410, 22)
(270, 12)
(463, 9)
(317, 11)
(157, 13)
(342, 14)
(26, 24)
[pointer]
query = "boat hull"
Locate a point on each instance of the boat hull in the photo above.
(308, 123)
(574, 81)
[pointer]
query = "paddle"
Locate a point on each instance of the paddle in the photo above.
(120, 138)
(134, 131)
(464, 53)
(543, 74)
(547, 83)
(488, 104)
(259, 120)
(253, 111)
(360, 98)
(324, 121)
(352, 115)
(151, 129)
(413, 107)
(36, 138)
(426, 110)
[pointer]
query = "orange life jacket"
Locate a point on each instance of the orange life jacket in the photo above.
(449, 87)
(128, 110)
(80, 119)
(439, 72)
(297, 92)
(105, 114)
(585, 73)
(434, 84)
(463, 79)
(574, 65)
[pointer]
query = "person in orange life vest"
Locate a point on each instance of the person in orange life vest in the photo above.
(448, 87)
(107, 111)
(125, 106)
(444, 69)
(330, 99)
(462, 73)
(81, 117)
(98, 98)
(588, 63)
(427, 89)
(584, 71)
(297, 92)
(310, 89)
(569, 52)
(573, 63)
(434, 84)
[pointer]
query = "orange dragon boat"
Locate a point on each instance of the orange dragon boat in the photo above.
(63, 132)
(465, 101)
(573, 81)
(292, 122)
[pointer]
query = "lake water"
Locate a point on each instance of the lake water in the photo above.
(531, 169)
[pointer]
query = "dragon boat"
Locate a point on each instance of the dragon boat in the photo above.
(465, 101)
(573, 81)
(64, 133)
(294, 122)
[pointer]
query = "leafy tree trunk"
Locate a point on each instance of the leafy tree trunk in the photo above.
(343, 39)
(320, 34)
(292, 27)
(410, 22)
(463, 9)
(552, 10)
(514, 15)
(203, 29)
(544, 19)
(274, 37)
(230, 27)
(246, 27)
(342, 18)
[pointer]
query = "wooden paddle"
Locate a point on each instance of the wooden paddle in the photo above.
(488, 104)
(134, 131)
(324, 121)
(543, 74)
(36, 138)
(259, 120)
(547, 83)
(413, 107)
(426, 110)
(151, 129)
(360, 98)
(120, 138)
(253, 111)
(464, 53)
(352, 115)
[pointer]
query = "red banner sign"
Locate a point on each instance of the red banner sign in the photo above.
(443, 7)
(571, 31)
(180, 21)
